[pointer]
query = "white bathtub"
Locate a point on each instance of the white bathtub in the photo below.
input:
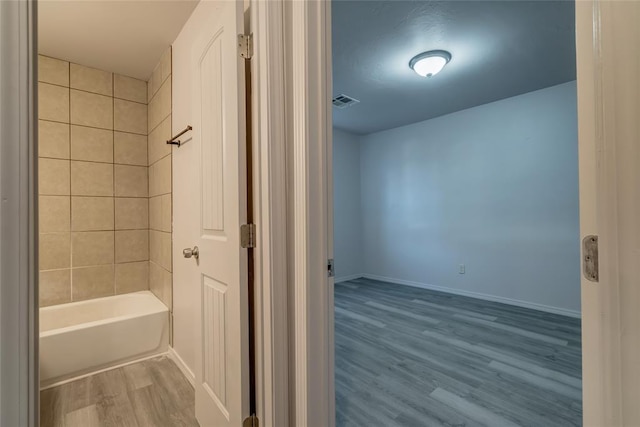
(82, 337)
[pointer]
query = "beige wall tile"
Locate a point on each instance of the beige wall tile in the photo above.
(130, 116)
(89, 109)
(132, 214)
(160, 105)
(54, 287)
(54, 251)
(92, 248)
(155, 213)
(160, 283)
(165, 251)
(53, 177)
(53, 139)
(130, 149)
(54, 71)
(132, 245)
(160, 177)
(91, 144)
(54, 213)
(91, 80)
(92, 213)
(131, 181)
(166, 218)
(129, 88)
(160, 248)
(53, 103)
(132, 277)
(155, 248)
(92, 282)
(158, 147)
(91, 179)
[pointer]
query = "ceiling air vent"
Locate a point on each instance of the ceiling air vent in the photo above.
(344, 101)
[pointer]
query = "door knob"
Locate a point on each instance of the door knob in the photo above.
(188, 252)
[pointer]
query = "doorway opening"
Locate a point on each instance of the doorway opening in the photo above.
(105, 215)
(456, 217)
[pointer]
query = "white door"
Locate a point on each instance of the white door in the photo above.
(219, 128)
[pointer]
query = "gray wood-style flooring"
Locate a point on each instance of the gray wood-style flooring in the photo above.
(151, 393)
(413, 357)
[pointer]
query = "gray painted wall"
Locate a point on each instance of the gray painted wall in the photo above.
(494, 187)
(347, 216)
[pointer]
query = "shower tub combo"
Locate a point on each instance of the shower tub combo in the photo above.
(83, 337)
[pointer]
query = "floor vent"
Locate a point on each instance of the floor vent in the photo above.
(344, 101)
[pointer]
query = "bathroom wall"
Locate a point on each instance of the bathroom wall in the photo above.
(93, 183)
(160, 212)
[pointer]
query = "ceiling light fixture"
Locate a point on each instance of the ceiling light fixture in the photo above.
(428, 64)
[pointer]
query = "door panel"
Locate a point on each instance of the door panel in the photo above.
(218, 97)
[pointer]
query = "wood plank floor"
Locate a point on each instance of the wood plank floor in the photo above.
(412, 357)
(151, 393)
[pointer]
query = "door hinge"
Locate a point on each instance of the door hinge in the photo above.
(245, 45)
(330, 270)
(590, 265)
(251, 421)
(248, 236)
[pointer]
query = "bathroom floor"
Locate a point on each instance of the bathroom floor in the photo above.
(149, 393)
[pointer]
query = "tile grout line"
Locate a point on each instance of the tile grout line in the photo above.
(93, 161)
(113, 118)
(92, 93)
(149, 131)
(70, 184)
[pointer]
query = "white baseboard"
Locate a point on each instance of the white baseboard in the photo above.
(510, 301)
(188, 373)
(347, 278)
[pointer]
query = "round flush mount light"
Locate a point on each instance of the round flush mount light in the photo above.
(428, 64)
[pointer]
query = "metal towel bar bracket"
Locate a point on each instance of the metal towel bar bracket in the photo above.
(175, 140)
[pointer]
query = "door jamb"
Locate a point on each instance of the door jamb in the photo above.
(270, 215)
(19, 377)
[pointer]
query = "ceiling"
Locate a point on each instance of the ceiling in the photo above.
(499, 49)
(123, 36)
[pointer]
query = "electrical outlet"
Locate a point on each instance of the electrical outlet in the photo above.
(461, 269)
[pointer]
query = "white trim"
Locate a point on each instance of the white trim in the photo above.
(188, 373)
(108, 368)
(309, 112)
(270, 213)
(347, 278)
(19, 385)
(300, 137)
(485, 297)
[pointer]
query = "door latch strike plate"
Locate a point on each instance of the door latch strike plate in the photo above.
(590, 265)
(330, 270)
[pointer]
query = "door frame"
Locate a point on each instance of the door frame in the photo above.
(605, 59)
(19, 382)
(270, 213)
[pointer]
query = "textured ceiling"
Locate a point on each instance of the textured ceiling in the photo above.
(122, 36)
(500, 49)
